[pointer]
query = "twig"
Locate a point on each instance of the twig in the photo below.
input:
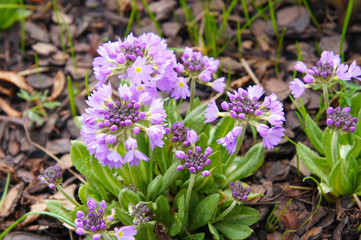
(33, 71)
(358, 202)
(250, 72)
(49, 153)
(11, 119)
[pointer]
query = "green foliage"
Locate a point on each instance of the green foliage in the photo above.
(37, 114)
(10, 12)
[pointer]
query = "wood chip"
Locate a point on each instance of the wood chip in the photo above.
(44, 48)
(16, 79)
(58, 86)
(37, 207)
(11, 200)
(11, 112)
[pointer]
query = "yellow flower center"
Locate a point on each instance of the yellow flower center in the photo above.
(140, 88)
(120, 234)
(181, 84)
(138, 69)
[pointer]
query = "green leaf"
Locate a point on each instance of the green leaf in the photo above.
(202, 140)
(154, 188)
(127, 197)
(51, 104)
(197, 236)
(214, 231)
(313, 162)
(176, 227)
(246, 165)
(234, 231)
(146, 232)
(105, 175)
(170, 175)
(162, 214)
(242, 215)
(8, 16)
(327, 146)
(123, 216)
(57, 208)
(314, 133)
(204, 212)
(216, 161)
(195, 119)
(83, 194)
(338, 180)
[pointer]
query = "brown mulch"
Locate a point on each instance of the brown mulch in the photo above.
(92, 22)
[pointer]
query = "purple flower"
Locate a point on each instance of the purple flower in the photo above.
(108, 123)
(133, 156)
(144, 59)
(301, 67)
(192, 136)
(341, 120)
(181, 89)
(211, 112)
(342, 72)
(218, 85)
(239, 193)
(140, 71)
(230, 140)
(95, 222)
(140, 213)
(355, 71)
(155, 134)
(125, 233)
(271, 136)
(195, 160)
(297, 87)
(52, 176)
(308, 78)
(255, 92)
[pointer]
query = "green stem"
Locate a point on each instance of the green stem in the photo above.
(106, 236)
(222, 215)
(189, 193)
(325, 96)
(334, 147)
(72, 200)
(30, 213)
(193, 93)
(238, 147)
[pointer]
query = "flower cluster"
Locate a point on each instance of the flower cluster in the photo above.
(195, 160)
(52, 176)
(239, 193)
(140, 213)
(245, 107)
(144, 60)
(95, 222)
(198, 67)
(328, 69)
(181, 135)
(109, 123)
(341, 120)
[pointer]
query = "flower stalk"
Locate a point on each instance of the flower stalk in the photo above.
(72, 200)
(325, 95)
(334, 147)
(225, 213)
(193, 93)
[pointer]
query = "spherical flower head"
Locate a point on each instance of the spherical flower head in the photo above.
(181, 89)
(109, 122)
(239, 193)
(95, 222)
(140, 213)
(52, 176)
(341, 120)
(297, 88)
(211, 112)
(179, 134)
(125, 233)
(230, 140)
(195, 160)
(271, 136)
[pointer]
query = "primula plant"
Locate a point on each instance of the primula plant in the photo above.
(337, 160)
(146, 166)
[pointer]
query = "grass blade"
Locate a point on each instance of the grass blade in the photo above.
(345, 26)
(71, 97)
(7, 183)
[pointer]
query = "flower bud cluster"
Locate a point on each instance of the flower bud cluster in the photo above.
(140, 213)
(341, 120)
(52, 176)
(239, 193)
(95, 222)
(195, 160)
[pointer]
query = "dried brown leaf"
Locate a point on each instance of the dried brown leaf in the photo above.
(11, 200)
(11, 112)
(37, 207)
(15, 78)
(240, 82)
(58, 86)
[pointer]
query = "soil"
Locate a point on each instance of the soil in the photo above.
(26, 150)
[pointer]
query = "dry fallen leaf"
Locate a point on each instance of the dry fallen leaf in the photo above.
(14, 78)
(37, 207)
(11, 200)
(65, 162)
(58, 86)
(240, 82)
(11, 112)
